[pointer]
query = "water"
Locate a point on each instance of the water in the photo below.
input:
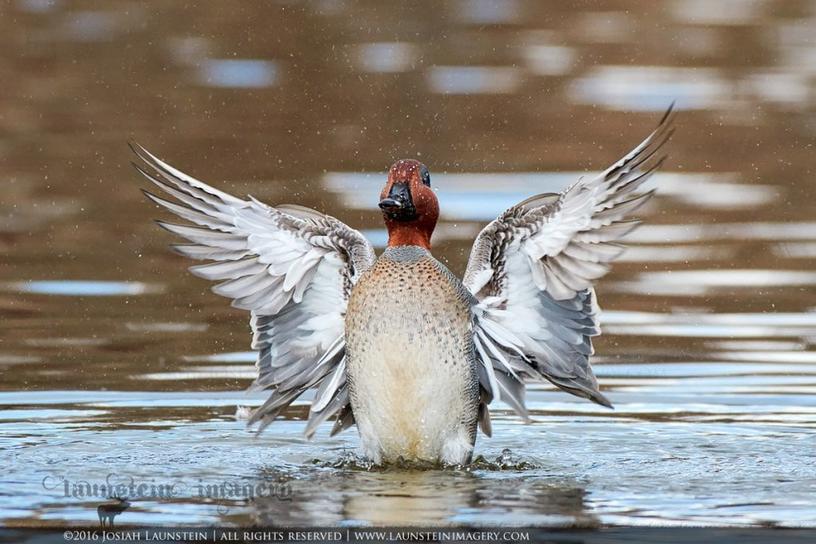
(120, 369)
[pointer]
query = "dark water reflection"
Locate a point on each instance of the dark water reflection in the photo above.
(116, 363)
(390, 497)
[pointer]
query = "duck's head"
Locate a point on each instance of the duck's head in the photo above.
(409, 205)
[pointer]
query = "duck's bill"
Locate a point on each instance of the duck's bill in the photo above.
(398, 204)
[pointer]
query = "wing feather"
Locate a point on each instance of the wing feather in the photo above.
(290, 266)
(532, 269)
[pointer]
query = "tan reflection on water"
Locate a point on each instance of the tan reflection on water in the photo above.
(106, 342)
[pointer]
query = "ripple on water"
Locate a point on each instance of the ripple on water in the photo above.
(238, 73)
(387, 57)
(473, 79)
(205, 373)
(84, 288)
(65, 342)
(652, 88)
(708, 282)
(54, 415)
(792, 230)
(748, 325)
(565, 469)
(14, 359)
(168, 327)
(486, 12)
(226, 357)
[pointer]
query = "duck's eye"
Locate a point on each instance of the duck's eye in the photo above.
(425, 176)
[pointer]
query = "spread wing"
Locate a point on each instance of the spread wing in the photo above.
(291, 267)
(531, 271)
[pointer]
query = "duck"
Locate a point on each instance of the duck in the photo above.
(396, 344)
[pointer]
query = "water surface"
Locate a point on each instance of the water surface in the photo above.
(121, 369)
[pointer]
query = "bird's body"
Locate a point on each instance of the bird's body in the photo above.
(410, 360)
(398, 346)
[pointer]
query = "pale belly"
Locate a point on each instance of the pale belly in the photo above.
(413, 383)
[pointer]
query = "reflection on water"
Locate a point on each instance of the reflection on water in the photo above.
(732, 12)
(709, 282)
(386, 57)
(394, 496)
(473, 79)
(648, 88)
(83, 288)
(488, 11)
(243, 73)
(116, 362)
(549, 60)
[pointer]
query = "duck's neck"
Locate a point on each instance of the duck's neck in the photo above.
(408, 235)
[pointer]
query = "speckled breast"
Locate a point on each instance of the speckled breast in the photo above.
(411, 369)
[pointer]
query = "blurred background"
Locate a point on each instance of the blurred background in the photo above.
(107, 342)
